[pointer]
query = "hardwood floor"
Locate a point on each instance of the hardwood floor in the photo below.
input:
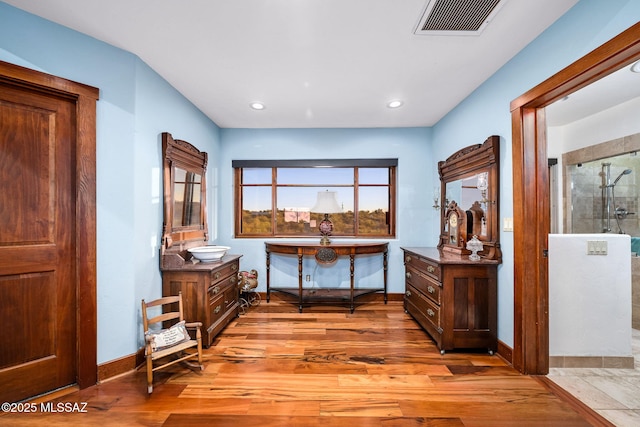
(325, 367)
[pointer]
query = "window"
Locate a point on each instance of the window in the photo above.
(274, 197)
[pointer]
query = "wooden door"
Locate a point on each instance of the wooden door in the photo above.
(39, 239)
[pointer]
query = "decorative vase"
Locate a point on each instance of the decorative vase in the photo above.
(475, 246)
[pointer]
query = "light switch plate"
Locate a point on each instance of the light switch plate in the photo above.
(597, 247)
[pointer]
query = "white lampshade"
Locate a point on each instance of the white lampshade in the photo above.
(326, 203)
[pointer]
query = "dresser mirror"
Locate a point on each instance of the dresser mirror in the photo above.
(185, 219)
(470, 199)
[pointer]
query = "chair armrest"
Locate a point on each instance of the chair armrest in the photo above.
(193, 325)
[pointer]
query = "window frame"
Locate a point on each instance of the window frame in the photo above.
(274, 165)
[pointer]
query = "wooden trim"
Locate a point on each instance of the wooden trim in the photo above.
(314, 163)
(120, 366)
(85, 249)
(274, 233)
(531, 193)
(46, 82)
(86, 252)
(505, 352)
(606, 59)
(587, 413)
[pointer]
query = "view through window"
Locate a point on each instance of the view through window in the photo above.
(275, 198)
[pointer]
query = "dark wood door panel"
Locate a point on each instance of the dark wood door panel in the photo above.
(37, 258)
(25, 258)
(30, 308)
(38, 160)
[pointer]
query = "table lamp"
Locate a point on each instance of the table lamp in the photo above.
(326, 204)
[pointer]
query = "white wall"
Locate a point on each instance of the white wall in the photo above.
(612, 123)
(589, 296)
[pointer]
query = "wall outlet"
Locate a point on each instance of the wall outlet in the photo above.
(507, 224)
(308, 277)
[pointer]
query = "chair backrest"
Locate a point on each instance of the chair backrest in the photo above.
(166, 315)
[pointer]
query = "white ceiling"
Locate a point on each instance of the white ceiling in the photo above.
(608, 92)
(314, 63)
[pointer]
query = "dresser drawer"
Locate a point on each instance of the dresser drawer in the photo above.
(225, 271)
(425, 306)
(214, 292)
(217, 308)
(430, 268)
(425, 284)
(231, 294)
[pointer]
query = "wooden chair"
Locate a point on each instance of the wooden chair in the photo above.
(170, 343)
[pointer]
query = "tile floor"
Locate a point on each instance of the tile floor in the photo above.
(613, 393)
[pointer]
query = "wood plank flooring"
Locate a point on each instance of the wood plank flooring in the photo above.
(325, 367)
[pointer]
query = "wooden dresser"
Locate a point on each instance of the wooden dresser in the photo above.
(452, 298)
(209, 292)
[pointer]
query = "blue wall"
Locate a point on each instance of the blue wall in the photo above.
(417, 221)
(136, 105)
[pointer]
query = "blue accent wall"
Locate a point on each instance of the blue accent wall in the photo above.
(417, 221)
(136, 105)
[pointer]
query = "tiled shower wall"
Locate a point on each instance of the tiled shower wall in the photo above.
(588, 208)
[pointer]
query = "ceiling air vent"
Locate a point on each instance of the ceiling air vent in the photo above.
(457, 17)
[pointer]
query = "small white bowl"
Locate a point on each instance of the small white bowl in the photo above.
(209, 253)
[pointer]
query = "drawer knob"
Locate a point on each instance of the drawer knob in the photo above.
(430, 312)
(234, 267)
(408, 293)
(431, 269)
(408, 259)
(408, 275)
(215, 289)
(217, 275)
(217, 309)
(430, 289)
(233, 280)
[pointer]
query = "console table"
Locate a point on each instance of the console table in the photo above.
(326, 254)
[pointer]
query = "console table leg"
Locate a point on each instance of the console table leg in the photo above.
(351, 268)
(300, 255)
(268, 275)
(384, 269)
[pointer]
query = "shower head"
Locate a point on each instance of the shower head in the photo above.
(624, 172)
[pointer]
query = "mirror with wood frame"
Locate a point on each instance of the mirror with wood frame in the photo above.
(185, 219)
(470, 199)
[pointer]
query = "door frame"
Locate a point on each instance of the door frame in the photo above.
(531, 193)
(85, 98)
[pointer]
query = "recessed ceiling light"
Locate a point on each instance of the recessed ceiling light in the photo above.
(636, 67)
(257, 105)
(394, 104)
